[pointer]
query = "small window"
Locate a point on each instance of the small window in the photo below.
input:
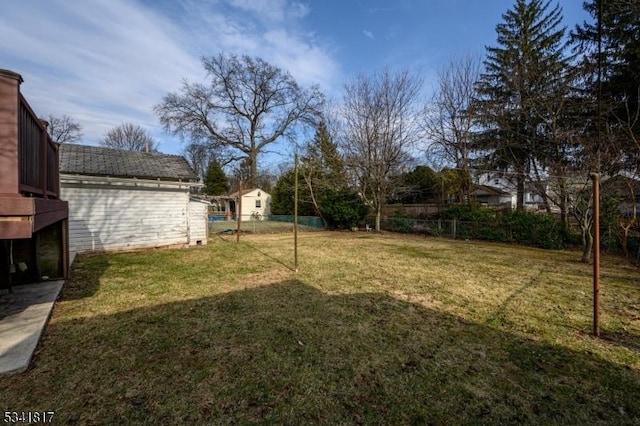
(258, 204)
(496, 181)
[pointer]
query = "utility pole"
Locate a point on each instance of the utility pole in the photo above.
(595, 177)
(239, 209)
(295, 214)
(596, 253)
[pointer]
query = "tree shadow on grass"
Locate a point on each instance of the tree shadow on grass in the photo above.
(86, 269)
(287, 353)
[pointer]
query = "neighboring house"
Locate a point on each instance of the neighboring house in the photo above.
(495, 186)
(255, 204)
(120, 200)
(492, 196)
(33, 216)
(626, 189)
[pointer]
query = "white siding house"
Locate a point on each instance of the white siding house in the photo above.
(502, 185)
(121, 200)
(198, 220)
(254, 202)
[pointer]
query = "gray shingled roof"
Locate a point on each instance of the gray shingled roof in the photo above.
(98, 161)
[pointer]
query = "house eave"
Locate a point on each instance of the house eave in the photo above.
(66, 178)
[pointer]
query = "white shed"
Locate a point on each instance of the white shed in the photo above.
(198, 220)
(120, 200)
(255, 203)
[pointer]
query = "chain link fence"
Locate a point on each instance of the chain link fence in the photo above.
(259, 224)
(455, 229)
(532, 233)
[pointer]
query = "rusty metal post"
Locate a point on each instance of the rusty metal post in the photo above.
(239, 209)
(295, 215)
(596, 253)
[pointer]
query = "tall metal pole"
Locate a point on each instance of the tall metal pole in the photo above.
(239, 209)
(596, 189)
(596, 253)
(295, 214)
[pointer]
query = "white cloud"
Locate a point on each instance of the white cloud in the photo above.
(275, 11)
(103, 62)
(368, 34)
(299, 10)
(100, 62)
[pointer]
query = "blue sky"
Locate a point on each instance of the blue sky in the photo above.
(104, 62)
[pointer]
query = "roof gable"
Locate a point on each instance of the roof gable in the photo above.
(486, 190)
(247, 192)
(99, 161)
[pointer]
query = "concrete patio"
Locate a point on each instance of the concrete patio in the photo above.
(23, 316)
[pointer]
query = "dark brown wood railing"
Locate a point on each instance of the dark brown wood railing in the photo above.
(37, 156)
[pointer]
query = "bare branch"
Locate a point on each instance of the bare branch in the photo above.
(129, 137)
(64, 129)
(245, 105)
(380, 127)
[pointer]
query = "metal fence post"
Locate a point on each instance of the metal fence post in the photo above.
(453, 229)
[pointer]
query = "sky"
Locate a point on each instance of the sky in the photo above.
(105, 62)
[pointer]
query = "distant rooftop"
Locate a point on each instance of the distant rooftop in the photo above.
(98, 161)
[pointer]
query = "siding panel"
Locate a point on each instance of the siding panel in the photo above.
(104, 218)
(198, 218)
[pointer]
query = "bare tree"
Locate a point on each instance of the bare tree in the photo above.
(199, 156)
(380, 124)
(449, 117)
(63, 129)
(246, 105)
(582, 208)
(129, 137)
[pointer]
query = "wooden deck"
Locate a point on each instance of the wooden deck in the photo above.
(29, 184)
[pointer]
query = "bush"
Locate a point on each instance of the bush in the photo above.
(400, 222)
(342, 209)
(468, 214)
(539, 230)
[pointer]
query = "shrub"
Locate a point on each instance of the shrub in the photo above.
(400, 222)
(342, 209)
(468, 214)
(539, 230)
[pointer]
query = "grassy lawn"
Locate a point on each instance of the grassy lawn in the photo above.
(374, 329)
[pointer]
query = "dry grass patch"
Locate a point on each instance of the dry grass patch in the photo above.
(373, 329)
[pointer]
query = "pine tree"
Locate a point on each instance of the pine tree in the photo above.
(282, 199)
(322, 167)
(215, 180)
(521, 73)
(612, 56)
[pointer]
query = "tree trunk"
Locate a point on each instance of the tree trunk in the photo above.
(316, 206)
(625, 240)
(253, 169)
(546, 203)
(378, 201)
(520, 195)
(564, 209)
(587, 244)
(542, 190)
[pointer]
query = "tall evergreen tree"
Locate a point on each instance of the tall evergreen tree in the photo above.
(611, 43)
(322, 167)
(215, 180)
(521, 73)
(282, 197)
(322, 154)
